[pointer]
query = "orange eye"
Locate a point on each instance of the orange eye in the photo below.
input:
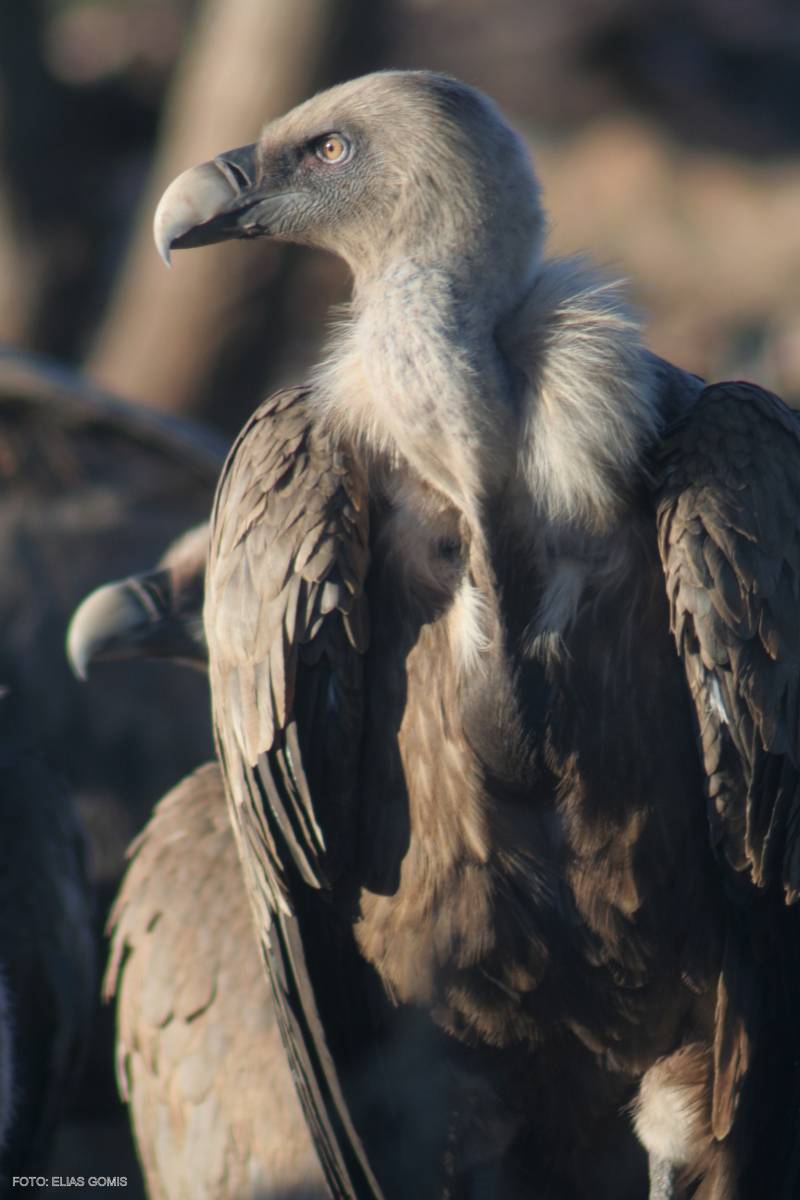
(333, 148)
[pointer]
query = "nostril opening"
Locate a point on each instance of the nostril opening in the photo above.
(240, 175)
(237, 175)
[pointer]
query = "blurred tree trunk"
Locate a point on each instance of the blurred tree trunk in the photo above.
(199, 339)
(20, 274)
(64, 145)
(25, 146)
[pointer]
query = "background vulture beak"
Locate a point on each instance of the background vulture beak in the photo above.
(129, 619)
(213, 202)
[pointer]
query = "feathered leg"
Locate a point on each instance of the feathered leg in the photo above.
(671, 1118)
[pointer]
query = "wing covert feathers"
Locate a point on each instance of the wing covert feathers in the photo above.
(285, 594)
(728, 510)
(286, 623)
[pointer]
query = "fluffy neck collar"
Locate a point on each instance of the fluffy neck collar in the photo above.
(559, 396)
(590, 409)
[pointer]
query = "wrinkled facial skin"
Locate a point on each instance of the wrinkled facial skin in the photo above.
(314, 200)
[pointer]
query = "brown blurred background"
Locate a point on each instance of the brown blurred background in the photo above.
(667, 138)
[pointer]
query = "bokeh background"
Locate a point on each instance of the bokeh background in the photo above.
(667, 139)
(667, 136)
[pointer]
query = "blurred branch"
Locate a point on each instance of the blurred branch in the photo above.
(42, 383)
(172, 339)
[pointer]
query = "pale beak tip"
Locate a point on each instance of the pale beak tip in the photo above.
(101, 620)
(162, 238)
(197, 195)
(77, 649)
(78, 664)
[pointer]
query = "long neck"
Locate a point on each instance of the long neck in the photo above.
(419, 378)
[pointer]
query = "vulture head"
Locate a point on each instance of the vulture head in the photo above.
(391, 165)
(155, 615)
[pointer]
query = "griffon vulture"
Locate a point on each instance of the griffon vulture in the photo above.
(199, 1056)
(502, 626)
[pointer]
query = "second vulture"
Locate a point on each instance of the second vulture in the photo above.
(504, 655)
(199, 1057)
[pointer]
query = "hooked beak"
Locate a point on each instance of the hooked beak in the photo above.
(215, 201)
(132, 618)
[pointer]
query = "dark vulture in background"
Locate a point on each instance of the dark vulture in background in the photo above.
(92, 488)
(48, 977)
(502, 626)
(199, 1056)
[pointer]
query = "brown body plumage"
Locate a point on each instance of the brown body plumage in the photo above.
(458, 741)
(199, 1053)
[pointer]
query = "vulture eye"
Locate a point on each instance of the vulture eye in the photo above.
(332, 148)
